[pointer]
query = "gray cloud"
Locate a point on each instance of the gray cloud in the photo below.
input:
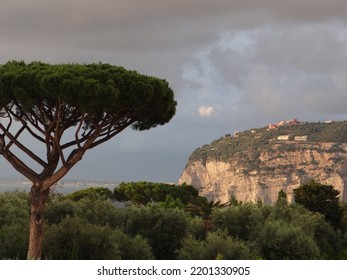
(130, 25)
(252, 61)
(284, 71)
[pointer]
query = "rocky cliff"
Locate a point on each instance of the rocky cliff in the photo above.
(256, 164)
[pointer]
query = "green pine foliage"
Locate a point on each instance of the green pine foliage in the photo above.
(91, 192)
(320, 198)
(95, 89)
(142, 193)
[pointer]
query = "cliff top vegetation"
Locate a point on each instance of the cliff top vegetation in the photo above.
(249, 144)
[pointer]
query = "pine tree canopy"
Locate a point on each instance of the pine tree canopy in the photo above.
(94, 91)
(94, 101)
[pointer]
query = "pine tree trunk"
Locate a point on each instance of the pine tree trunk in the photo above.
(38, 198)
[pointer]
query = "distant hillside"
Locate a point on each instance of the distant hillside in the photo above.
(257, 140)
(257, 163)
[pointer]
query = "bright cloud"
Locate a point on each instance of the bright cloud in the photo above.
(205, 111)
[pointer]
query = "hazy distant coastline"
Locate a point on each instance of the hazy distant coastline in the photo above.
(63, 187)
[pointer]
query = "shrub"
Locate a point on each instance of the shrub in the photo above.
(14, 227)
(282, 241)
(217, 245)
(163, 228)
(74, 239)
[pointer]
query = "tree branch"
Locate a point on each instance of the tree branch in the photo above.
(112, 133)
(32, 133)
(34, 122)
(14, 140)
(78, 131)
(74, 157)
(74, 142)
(20, 166)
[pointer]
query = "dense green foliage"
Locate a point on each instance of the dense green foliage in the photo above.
(148, 192)
(217, 245)
(95, 89)
(247, 145)
(96, 228)
(14, 228)
(320, 198)
(204, 209)
(68, 109)
(91, 192)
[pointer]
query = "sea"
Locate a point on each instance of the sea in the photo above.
(62, 187)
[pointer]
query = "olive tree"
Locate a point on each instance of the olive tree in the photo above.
(68, 109)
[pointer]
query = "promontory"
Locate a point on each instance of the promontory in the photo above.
(256, 164)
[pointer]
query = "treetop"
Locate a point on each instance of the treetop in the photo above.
(94, 89)
(94, 102)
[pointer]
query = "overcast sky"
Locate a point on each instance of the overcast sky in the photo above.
(233, 65)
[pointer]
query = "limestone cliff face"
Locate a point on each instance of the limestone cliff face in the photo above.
(259, 172)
